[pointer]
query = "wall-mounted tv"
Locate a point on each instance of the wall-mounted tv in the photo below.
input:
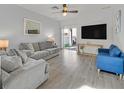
(94, 31)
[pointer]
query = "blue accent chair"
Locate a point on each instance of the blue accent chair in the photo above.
(110, 60)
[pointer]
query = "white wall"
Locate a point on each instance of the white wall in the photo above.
(12, 26)
(119, 37)
(97, 17)
(92, 18)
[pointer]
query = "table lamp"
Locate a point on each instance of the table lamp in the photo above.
(51, 39)
(4, 44)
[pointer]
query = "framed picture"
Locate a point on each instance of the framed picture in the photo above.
(31, 27)
(118, 21)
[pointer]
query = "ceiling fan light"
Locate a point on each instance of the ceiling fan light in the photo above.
(64, 14)
(65, 8)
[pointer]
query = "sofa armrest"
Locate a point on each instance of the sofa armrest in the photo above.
(103, 50)
(31, 75)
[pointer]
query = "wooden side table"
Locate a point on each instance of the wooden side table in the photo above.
(83, 46)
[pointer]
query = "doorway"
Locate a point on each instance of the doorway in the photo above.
(70, 38)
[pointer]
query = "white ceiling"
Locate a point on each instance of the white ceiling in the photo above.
(46, 9)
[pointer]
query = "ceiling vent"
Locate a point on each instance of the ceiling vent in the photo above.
(55, 7)
(107, 7)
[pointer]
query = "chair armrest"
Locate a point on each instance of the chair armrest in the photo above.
(108, 63)
(103, 50)
(110, 60)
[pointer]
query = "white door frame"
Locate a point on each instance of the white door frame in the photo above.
(62, 34)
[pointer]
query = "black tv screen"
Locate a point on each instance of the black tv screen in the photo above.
(94, 32)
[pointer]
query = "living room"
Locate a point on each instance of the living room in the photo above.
(37, 31)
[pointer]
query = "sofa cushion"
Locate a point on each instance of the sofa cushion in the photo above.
(103, 50)
(42, 45)
(36, 46)
(40, 54)
(104, 54)
(10, 63)
(32, 64)
(33, 60)
(115, 52)
(22, 55)
(45, 45)
(53, 50)
(28, 52)
(49, 44)
(26, 46)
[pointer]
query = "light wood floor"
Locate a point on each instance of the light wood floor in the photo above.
(72, 71)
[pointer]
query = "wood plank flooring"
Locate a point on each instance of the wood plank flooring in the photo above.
(72, 71)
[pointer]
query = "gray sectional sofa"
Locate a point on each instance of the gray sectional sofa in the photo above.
(40, 50)
(26, 68)
(22, 72)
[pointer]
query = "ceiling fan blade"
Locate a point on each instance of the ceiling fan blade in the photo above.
(75, 11)
(58, 12)
(65, 10)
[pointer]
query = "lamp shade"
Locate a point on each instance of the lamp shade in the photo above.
(4, 43)
(51, 38)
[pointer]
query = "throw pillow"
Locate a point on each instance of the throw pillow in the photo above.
(36, 46)
(10, 63)
(22, 55)
(115, 52)
(112, 46)
(26, 46)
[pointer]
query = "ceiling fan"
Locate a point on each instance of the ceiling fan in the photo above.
(65, 10)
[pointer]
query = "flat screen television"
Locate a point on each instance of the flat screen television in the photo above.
(94, 31)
